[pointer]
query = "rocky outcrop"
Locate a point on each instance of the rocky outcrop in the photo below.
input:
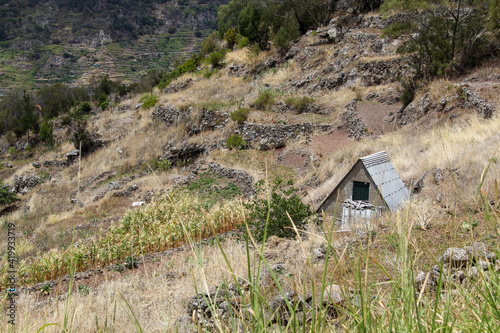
(414, 111)
(126, 193)
(330, 83)
(383, 71)
(275, 136)
(208, 121)
(271, 63)
(224, 303)
(238, 70)
(464, 98)
(25, 183)
(171, 114)
(183, 154)
(459, 266)
(469, 99)
(178, 86)
(55, 163)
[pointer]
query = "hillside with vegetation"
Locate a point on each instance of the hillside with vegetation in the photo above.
(186, 201)
(60, 41)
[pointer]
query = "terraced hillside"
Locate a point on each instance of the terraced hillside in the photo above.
(147, 231)
(53, 41)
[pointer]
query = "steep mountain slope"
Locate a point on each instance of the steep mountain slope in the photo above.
(446, 138)
(45, 42)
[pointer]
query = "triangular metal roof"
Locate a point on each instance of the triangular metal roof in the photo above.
(390, 186)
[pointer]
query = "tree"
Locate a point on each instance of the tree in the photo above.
(287, 33)
(443, 36)
(46, 133)
(210, 44)
(29, 118)
(231, 38)
(259, 19)
(55, 99)
(83, 138)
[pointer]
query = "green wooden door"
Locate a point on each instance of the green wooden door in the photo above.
(360, 191)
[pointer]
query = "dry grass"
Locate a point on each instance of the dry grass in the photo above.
(238, 56)
(437, 89)
(467, 146)
(184, 272)
(158, 292)
(337, 99)
(56, 203)
(378, 58)
(276, 78)
(223, 88)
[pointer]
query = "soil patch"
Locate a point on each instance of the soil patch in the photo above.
(373, 115)
(325, 145)
(295, 158)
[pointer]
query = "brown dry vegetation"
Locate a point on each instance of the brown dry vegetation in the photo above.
(159, 290)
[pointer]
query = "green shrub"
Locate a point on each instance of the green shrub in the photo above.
(163, 165)
(149, 101)
(210, 44)
(265, 100)
(244, 42)
(44, 176)
(299, 104)
(103, 101)
(83, 290)
(408, 92)
(269, 216)
(104, 105)
(216, 58)
(6, 196)
(236, 142)
(198, 33)
(12, 150)
(82, 135)
(46, 133)
(45, 289)
(11, 138)
(85, 107)
(65, 120)
(208, 73)
(131, 262)
(231, 38)
(240, 115)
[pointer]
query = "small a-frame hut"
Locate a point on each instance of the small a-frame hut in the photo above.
(372, 180)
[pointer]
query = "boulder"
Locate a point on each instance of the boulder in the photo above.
(332, 295)
(479, 251)
(455, 257)
(114, 185)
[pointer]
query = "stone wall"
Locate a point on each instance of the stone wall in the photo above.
(276, 136)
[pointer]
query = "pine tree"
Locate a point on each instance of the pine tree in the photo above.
(30, 118)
